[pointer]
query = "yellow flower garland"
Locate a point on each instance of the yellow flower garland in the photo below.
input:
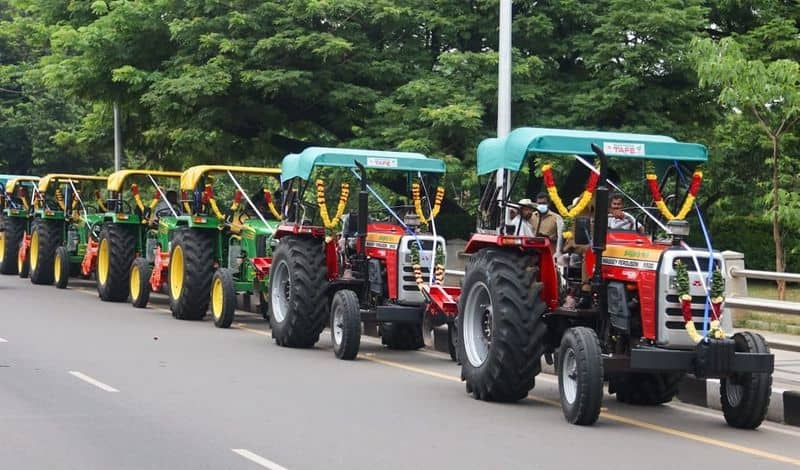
(437, 205)
(323, 207)
(688, 203)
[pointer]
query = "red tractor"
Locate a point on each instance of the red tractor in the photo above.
(378, 268)
(650, 298)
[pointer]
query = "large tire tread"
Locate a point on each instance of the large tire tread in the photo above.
(754, 404)
(645, 389)
(14, 230)
(198, 250)
(308, 310)
(402, 336)
(122, 251)
(49, 233)
(519, 333)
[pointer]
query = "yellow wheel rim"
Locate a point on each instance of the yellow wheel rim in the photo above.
(216, 297)
(20, 262)
(57, 268)
(2, 246)
(34, 250)
(102, 261)
(176, 272)
(135, 283)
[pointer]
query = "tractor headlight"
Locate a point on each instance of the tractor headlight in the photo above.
(679, 229)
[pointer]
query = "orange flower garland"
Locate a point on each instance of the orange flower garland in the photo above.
(694, 187)
(271, 204)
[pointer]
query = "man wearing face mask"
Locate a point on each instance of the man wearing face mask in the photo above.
(543, 220)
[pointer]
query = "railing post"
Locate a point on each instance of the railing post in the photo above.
(735, 286)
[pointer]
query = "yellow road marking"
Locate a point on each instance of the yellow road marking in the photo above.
(614, 417)
(240, 326)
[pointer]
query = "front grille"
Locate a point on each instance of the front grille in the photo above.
(427, 245)
(696, 299)
(678, 325)
(702, 261)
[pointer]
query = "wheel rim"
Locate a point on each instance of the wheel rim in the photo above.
(2, 246)
(338, 326)
(569, 376)
(216, 298)
(281, 292)
(35, 250)
(20, 261)
(478, 324)
(57, 268)
(135, 283)
(176, 272)
(103, 261)
(733, 392)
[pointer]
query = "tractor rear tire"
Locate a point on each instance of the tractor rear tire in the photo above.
(115, 254)
(61, 269)
(745, 397)
(580, 376)
(223, 298)
(345, 324)
(191, 267)
(45, 238)
(298, 284)
(402, 336)
(139, 283)
(501, 334)
(645, 389)
(10, 239)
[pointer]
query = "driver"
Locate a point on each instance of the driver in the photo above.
(172, 200)
(617, 218)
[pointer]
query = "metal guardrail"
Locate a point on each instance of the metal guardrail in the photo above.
(767, 275)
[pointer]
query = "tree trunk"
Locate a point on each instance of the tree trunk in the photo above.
(780, 262)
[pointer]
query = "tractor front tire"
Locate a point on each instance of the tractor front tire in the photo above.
(298, 283)
(645, 389)
(580, 376)
(10, 239)
(61, 268)
(190, 271)
(745, 397)
(139, 283)
(45, 238)
(345, 324)
(402, 336)
(223, 298)
(115, 254)
(501, 335)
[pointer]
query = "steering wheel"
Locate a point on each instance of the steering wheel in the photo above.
(163, 212)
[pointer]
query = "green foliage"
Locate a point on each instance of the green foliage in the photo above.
(752, 235)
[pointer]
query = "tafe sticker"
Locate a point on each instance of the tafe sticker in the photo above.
(376, 162)
(623, 148)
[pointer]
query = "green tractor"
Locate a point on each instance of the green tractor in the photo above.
(15, 203)
(205, 256)
(128, 230)
(63, 226)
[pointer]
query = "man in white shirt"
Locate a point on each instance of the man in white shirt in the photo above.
(522, 220)
(617, 218)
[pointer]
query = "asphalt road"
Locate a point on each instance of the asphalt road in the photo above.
(92, 385)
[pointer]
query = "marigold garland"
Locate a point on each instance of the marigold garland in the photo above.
(271, 205)
(437, 205)
(438, 271)
(586, 196)
(323, 207)
(694, 187)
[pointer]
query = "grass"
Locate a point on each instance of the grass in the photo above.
(778, 323)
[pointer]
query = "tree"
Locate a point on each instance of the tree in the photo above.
(768, 94)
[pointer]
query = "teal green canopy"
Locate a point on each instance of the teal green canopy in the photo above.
(509, 152)
(301, 165)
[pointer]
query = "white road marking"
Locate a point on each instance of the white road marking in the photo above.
(3, 340)
(255, 458)
(92, 381)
